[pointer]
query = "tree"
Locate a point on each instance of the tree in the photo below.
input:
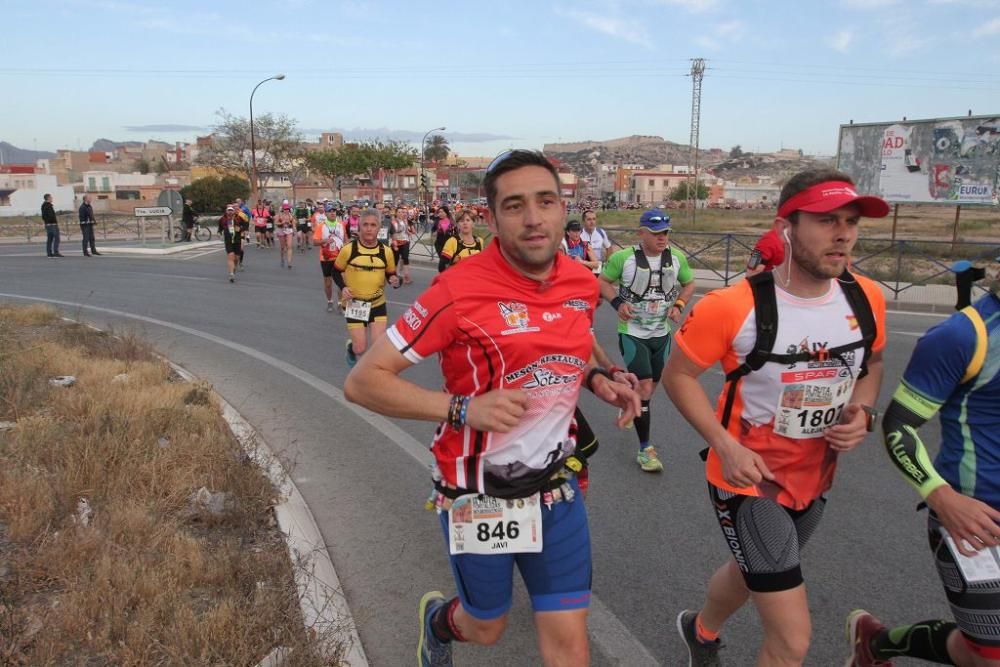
(335, 163)
(437, 149)
(211, 194)
(390, 156)
(680, 193)
(276, 140)
(141, 165)
(736, 151)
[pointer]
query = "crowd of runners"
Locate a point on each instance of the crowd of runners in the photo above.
(800, 342)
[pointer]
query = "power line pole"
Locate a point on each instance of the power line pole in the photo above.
(697, 72)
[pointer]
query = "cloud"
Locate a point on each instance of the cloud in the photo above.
(631, 30)
(729, 32)
(167, 127)
(869, 4)
(694, 6)
(988, 29)
(841, 41)
(968, 3)
(361, 134)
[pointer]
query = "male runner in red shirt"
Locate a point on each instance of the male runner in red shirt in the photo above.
(512, 328)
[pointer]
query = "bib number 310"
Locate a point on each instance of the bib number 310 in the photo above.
(480, 524)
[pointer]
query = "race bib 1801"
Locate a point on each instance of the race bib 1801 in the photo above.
(807, 409)
(480, 524)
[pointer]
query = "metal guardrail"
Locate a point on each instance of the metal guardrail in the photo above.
(896, 265)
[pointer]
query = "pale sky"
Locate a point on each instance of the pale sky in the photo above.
(497, 74)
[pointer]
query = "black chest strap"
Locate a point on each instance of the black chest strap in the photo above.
(766, 321)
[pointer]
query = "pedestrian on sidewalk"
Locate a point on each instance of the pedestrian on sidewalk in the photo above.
(87, 226)
(51, 227)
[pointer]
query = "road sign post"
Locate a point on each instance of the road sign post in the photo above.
(161, 212)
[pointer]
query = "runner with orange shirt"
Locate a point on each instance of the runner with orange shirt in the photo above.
(328, 236)
(801, 347)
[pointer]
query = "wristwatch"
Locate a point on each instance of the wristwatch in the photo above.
(872, 418)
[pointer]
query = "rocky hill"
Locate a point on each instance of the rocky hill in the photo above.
(11, 154)
(584, 156)
(108, 145)
(765, 165)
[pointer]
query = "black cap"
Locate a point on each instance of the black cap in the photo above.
(574, 226)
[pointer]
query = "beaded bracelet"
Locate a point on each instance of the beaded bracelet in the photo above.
(457, 409)
(679, 304)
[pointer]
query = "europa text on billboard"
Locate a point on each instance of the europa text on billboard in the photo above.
(946, 160)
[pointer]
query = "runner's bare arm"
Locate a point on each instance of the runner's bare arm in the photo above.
(375, 383)
(852, 429)
(602, 359)
(687, 291)
(740, 466)
(608, 290)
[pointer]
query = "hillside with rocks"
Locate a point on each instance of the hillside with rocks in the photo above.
(583, 157)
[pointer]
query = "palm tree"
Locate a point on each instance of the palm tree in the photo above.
(437, 149)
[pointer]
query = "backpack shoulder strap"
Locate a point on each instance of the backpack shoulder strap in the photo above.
(765, 305)
(862, 308)
(640, 259)
(766, 322)
(353, 252)
(979, 355)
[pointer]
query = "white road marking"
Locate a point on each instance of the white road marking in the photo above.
(915, 334)
(610, 634)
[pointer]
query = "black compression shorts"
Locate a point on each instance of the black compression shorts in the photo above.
(765, 537)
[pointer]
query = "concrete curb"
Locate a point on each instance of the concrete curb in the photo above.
(324, 608)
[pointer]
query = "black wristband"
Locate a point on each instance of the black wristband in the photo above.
(596, 370)
(617, 302)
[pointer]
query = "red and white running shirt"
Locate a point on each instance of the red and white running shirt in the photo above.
(496, 329)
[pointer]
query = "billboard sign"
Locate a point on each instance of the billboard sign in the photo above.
(944, 161)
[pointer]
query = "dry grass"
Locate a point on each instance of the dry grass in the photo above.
(149, 581)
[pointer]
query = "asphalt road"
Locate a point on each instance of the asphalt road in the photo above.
(267, 345)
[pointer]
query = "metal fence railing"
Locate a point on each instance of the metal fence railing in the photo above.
(897, 265)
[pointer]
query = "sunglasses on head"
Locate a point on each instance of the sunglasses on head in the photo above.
(498, 160)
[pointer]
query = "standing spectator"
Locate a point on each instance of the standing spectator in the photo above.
(51, 227)
(188, 218)
(87, 226)
(442, 229)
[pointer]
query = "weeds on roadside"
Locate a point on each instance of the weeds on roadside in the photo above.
(138, 574)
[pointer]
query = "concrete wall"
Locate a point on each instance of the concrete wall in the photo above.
(28, 201)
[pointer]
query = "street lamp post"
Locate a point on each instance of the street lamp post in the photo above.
(253, 147)
(423, 145)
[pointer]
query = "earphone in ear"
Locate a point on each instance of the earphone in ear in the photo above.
(785, 234)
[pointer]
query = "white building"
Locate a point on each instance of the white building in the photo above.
(21, 194)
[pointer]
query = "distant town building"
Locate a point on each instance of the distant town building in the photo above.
(22, 189)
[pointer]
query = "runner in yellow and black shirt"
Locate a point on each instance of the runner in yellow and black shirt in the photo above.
(460, 247)
(361, 270)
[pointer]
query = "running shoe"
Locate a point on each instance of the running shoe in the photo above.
(700, 654)
(329, 306)
(431, 651)
(351, 357)
(648, 460)
(232, 277)
(861, 628)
